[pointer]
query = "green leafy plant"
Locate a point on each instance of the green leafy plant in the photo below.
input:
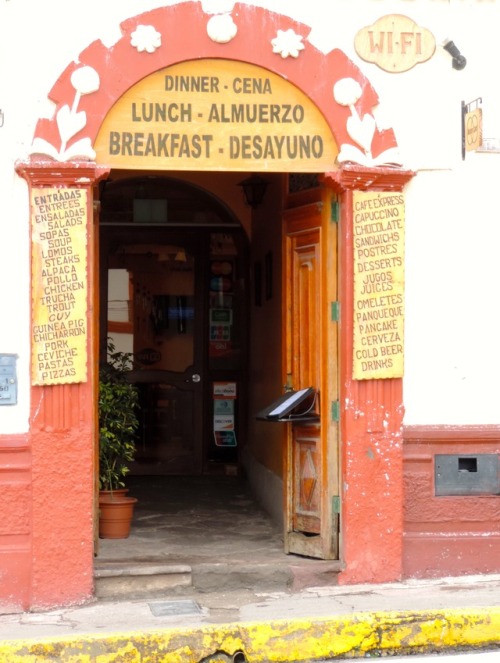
(118, 420)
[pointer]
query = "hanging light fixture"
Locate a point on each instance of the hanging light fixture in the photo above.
(254, 188)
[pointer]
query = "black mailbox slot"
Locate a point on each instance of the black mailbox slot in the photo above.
(467, 464)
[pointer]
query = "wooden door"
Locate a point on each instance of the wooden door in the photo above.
(310, 347)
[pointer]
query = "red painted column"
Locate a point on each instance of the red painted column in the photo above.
(372, 454)
(62, 448)
(371, 448)
(15, 524)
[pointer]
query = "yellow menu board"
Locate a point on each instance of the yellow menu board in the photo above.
(59, 273)
(378, 240)
(216, 115)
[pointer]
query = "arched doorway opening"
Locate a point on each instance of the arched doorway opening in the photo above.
(229, 116)
(155, 231)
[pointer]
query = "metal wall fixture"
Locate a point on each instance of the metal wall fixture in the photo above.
(458, 60)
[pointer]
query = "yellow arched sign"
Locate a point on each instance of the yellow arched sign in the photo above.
(216, 115)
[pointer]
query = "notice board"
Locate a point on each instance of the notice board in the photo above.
(59, 272)
(378, 242)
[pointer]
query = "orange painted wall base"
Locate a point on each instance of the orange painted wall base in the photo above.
(448, 535)
(15, 525)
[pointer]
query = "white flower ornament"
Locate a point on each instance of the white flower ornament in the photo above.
(221, 28)
(85, 81)
(347, 92)
(288, 43)
(70, 121)
(145, 38)
(217, 6)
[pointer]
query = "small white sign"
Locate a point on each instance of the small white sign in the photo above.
(224, 389)
(223, 422)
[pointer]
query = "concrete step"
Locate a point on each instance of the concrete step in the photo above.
(138, 580)
(135, 580)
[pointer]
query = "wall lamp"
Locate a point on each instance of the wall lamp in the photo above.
(458, 61)
(1, 117)
(254, 188)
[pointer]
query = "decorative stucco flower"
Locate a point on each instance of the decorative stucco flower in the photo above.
(287, 43)
(85, 80)
(146, 38)
(221, 28)
(347, 92)
(217, 6)
(70, 121)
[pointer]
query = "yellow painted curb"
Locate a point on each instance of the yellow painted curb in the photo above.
(296, 640)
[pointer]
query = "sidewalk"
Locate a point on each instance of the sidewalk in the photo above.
(248, 626)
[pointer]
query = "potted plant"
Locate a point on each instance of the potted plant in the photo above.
(118, 425)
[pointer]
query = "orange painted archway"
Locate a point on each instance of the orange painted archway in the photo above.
(62, 155)
(87, 89)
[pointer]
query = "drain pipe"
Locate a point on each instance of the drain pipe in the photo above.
(224, 657)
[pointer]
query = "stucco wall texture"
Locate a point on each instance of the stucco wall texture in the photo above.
(447, 534)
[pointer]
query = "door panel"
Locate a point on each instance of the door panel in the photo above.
(166, 340)
(311, 455)
(307, 480)
(306, 292)
(168, 442)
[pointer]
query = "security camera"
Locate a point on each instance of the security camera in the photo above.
(458, 61)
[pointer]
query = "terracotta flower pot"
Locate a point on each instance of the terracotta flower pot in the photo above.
(116, 516)
(106, 495)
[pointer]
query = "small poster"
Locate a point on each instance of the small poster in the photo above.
(220, 348)
(224, 389)
(378, 239)
(223, 422)
(225, 438)
(59, 271)
(221, 316)
(224, 418)
(223, 406)
(220, 333)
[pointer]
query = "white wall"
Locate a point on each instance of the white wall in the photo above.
(452, 270)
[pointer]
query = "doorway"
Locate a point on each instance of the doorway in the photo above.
(173, 265)
(218, 319)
